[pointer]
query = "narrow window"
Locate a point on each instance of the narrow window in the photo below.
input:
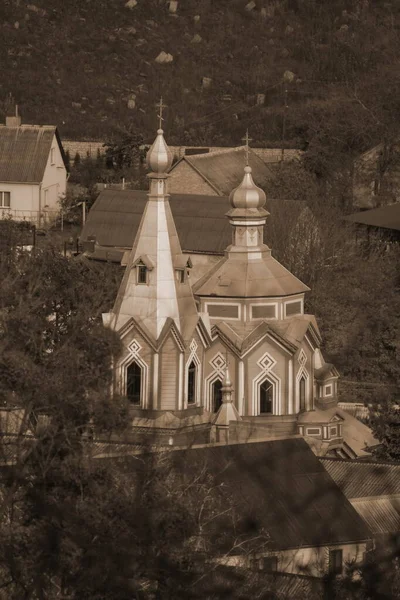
(302, 393)
(335, 562)
(266, 397)
(142, 274)
(270, 563)
(5, 199)
(52, 156)
(217, 395)
(180, 275)
(192, 383)
(134, 383)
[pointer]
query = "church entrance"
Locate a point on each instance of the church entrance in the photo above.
(217, 395)
(266, 397)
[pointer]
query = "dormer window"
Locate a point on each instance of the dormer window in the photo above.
(143, 265)
(142, 274)
(182, 264)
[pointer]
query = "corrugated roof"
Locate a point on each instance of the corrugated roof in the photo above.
(200, 220)
(382, 515)
(281, 487)
(364, 479)
(24, 152)
(224, 168)
(387, 217)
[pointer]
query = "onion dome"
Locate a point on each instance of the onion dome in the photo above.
(247, 194)
(159, 157)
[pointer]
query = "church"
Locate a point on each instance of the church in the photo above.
(232, 357)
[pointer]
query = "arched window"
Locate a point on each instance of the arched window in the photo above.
(192, 383)
(302, 393)
(266, 397)
(134, 383)
(217, 395)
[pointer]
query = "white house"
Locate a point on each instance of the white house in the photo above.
(33, 175)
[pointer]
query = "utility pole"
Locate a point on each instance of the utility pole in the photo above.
(285, 107)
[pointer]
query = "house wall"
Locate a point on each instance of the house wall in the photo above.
(307, 561)
(185, 180)
(24, 201)
(54, 184)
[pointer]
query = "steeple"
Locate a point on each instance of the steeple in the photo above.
(248, 268)
(155, 286)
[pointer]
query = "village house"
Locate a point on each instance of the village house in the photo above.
(33, 174)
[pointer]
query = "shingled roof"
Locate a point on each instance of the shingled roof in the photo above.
(24, 152)
(223, 169)
(200, 220)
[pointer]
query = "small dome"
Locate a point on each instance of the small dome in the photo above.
(247, 194)
(159, 157)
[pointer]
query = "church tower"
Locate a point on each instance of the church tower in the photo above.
(155, 314)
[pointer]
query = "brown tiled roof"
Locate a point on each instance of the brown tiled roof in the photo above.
(387, 217)
(24, 152)
(364, 479)
(200, 220)
(224, 168)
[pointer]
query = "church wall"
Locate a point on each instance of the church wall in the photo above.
(303, 366)
(255, 374)
(214, 368)
(143, 354)
(184, 179)
(169, 376)
(195, 351)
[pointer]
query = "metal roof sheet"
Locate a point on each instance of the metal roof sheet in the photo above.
(387, 217)
(282, 486)
(264, 277)
(224, 168)
(200, 220)
(24, 152)
(364, 479)
(382, 515)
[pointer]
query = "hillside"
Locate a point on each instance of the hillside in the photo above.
(89, 66)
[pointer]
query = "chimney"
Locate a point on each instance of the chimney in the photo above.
(14, 121)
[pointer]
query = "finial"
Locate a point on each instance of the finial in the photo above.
(247, 140)
(160, 105)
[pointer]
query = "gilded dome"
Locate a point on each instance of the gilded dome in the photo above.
(247, 194)
(159, 157)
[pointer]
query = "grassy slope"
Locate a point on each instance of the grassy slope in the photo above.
(75, 63)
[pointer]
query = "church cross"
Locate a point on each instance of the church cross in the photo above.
(247, 140)
(160, 105)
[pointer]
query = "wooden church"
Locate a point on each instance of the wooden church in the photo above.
(233, 357)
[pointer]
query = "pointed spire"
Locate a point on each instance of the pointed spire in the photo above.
(154, 289)
(227, 411)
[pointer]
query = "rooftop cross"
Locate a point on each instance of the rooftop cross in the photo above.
(160, 105)
(247, 140)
